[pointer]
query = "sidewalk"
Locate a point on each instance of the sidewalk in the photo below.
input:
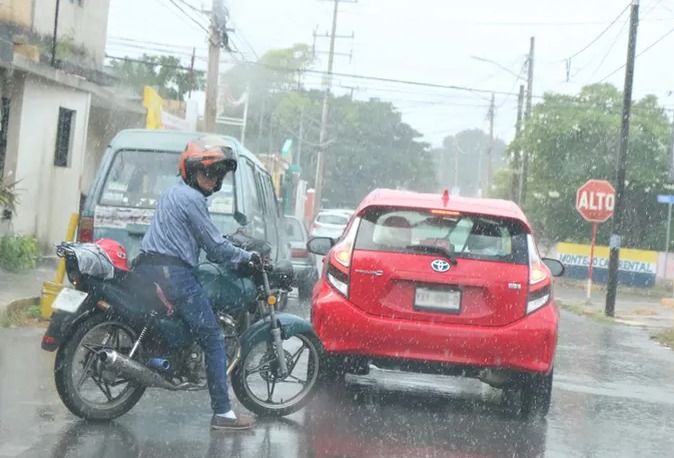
(631, 308)
(22, 285)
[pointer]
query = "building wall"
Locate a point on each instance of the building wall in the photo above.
(86, 24)
(49, 194)
(17, 12)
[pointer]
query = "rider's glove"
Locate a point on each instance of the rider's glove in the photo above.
(255, 259)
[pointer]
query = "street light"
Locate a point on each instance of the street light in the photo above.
(483, 59)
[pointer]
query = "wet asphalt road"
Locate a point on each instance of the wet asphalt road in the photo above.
(613, 396)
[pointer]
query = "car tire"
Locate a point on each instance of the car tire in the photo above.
(535, 394)
(304, 290)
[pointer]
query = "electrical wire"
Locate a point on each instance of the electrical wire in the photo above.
(640, 53)
(601, 34)
(199, 24)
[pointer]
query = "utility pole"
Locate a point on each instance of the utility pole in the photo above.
(189, 91)
(517, 155)
(300, 139)
(491, 115)
(320, 159)
(527, 114)
(614, 245)
(56, 29)
(218, 19)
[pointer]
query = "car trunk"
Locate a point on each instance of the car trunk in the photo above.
(412, 264)
(404, 286)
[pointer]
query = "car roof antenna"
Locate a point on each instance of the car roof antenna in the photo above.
(445, 197)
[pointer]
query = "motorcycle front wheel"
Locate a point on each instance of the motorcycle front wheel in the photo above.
(85, 387)
(262, 390)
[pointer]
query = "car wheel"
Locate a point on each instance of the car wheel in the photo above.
(304, 290)
(535, 394)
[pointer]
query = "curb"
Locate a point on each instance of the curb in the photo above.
(21, 303)
(667, 302)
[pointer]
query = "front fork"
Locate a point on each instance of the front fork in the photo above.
(275, 329)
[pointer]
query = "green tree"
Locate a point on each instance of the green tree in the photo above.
(367, 145)
(571, 139)
(162, 72)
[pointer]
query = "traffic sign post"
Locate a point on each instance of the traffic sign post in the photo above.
(595, 201)
(669, 200)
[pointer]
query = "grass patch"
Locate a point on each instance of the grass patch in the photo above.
(22, 314)
(594, 315)
(665, 337)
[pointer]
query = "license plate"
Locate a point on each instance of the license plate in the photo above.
(437, 300)
(69, 300)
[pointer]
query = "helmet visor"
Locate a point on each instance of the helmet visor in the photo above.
(220, 169)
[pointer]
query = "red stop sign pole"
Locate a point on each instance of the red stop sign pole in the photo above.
(595, 201)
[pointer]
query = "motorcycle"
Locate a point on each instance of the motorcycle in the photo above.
(124, 336)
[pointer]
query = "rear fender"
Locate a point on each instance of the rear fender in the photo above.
(61, 328)
(260, 332)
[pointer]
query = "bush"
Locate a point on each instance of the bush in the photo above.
(18, 252)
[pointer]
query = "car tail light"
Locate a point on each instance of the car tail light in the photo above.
(539, 279)
(86, 230)
(339, 265)
(299, 253)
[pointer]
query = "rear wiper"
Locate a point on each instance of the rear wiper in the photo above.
(433, 249)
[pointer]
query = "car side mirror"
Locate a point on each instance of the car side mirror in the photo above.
(240, 218)
(556, 267)
(320, 245)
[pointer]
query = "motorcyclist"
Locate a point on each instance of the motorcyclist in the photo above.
(180, 228)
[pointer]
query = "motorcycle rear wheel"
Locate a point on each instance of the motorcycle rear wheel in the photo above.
(70, 391)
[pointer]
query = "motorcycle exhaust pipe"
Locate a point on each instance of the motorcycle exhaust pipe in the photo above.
(134, 370)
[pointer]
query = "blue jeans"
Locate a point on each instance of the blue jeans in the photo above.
(190, 300)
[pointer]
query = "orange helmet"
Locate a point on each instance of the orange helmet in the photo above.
(211, 155)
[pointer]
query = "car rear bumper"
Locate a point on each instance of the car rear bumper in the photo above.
(528, 344)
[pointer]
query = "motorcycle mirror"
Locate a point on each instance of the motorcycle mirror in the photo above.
(240, 218)
(556, 268)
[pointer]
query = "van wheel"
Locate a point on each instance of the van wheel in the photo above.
(535, 394)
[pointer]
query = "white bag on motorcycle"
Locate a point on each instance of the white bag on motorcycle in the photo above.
(92, 260)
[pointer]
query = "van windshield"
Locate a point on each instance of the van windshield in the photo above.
(138, 178)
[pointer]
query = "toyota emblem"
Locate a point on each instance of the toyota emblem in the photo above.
(440, 265)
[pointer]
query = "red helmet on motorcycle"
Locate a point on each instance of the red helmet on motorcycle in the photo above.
(116, 252)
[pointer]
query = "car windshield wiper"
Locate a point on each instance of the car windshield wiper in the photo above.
(434, 249)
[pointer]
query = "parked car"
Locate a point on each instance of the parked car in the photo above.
(329, 223)
(304, 262)
(429, 283)
(140, 164)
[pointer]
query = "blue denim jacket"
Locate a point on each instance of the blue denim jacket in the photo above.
(182, 226)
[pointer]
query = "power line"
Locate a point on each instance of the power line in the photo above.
(642, 52)
(601, 34)
(174, 2)
(192, 7)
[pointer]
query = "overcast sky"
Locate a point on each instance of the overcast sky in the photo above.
(429, 41)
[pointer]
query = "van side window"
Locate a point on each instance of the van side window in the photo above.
(251, 186)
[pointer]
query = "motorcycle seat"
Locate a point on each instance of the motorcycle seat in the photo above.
(149, 293)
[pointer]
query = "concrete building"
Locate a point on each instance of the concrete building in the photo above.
(55, 121)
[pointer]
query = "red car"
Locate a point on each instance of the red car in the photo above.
(433, 283)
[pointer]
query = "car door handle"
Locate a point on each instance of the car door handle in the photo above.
(376, 273)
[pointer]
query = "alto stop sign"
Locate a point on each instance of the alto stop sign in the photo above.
(595, 200)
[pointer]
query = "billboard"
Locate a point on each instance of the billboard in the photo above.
(636, 268)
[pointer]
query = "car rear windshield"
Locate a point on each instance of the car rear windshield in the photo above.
(294, 230)
(137, 178)
(465, 236)
(340, 220)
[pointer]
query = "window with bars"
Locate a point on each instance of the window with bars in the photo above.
(64, 134)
